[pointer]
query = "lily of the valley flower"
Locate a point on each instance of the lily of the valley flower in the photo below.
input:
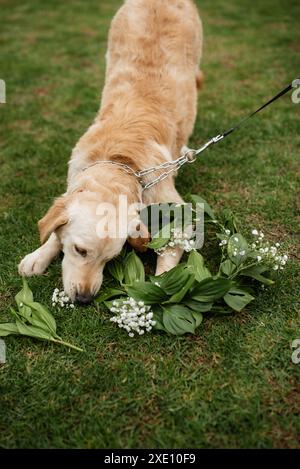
(133, 316)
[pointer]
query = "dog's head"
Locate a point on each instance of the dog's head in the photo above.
(92, 229)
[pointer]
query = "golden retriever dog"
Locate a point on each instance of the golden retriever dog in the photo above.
(147, 115)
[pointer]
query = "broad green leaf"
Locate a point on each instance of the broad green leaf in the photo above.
(197, 266)
(33, 331)
(237, 299)
(147, 292)
(108, 294)
(210, 290)
(198, 317)
(196, 199)
(161, 238)
(134, 269)
(24, 296)
(255, 273)
(158, 318)
(228, 267)
(198, 306)
(8, 328)
(178, 320)
(237, 249)
(177, 297)
(40, 316)
(116, 269)
(158, 243)
(173, 280)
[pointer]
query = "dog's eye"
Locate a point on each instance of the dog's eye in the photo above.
(82, 252)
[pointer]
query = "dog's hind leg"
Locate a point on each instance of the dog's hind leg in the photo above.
(37, 261)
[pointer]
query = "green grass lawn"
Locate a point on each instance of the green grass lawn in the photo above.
(233, 384)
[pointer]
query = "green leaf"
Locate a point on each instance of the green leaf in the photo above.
(116, 270)
(177, 297)
(134, 269)
(41, 317)
(198, 317)
(238, 299)
(197, 266)
(255, 273)
(198, 306)
(33, 331)
(161, 238)
(196, 199)
(8, 328)
(228, 267)
(178, 320)
(24, 296)
(158, 243)
(210, 289)
(147, 292)
(173, 280)
(108, 294)
(158, 318)
(237, 244)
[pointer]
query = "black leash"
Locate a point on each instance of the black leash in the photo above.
(243, 121)
(189, 156)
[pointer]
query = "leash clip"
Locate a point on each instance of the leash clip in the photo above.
(217, 138)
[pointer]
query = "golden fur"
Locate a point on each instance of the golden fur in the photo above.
(147, 115)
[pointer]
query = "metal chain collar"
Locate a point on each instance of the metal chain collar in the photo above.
(189, 156)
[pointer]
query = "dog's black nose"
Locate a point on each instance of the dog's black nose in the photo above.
(84, 299)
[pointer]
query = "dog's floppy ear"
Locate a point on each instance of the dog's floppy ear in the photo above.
(139, 237)
(54, 218)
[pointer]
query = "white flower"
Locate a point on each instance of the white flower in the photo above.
(223, 242)
(227, 232)
(255, 232)
(242, 253)
(60, 298)
(133, 316)
(276, 267)
(259, 258)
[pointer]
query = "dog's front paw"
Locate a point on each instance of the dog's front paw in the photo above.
(32, 264)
